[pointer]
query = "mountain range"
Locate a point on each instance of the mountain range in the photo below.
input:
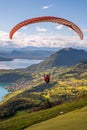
(64, 57)
(29, 52)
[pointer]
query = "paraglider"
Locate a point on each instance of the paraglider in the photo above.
(47, 19)
(47, 78)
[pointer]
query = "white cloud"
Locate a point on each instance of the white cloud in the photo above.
(25, 28)
(84, 30)
(59, 27)
(39, 29)
(45, 40)
(46, 6)
(4, 38)
(50, 41)
(4, 35)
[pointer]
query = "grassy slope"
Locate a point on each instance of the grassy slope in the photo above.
(76, 120)
(25, 119)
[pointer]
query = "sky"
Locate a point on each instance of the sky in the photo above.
(44, 34)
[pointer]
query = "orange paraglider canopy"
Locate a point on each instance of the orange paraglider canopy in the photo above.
(47, 19)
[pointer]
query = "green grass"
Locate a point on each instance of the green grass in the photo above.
(25, 119)
(76, 120)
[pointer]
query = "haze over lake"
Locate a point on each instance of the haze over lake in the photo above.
(17, 63)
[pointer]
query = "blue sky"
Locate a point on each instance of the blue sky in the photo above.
(43, 34)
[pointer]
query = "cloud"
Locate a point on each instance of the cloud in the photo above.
(4, 35)
(59, 27)
(21, 39)
(84, 30)
(50, 41)
(39, 29)
(4, 38)
(46, 6)
(25, 28)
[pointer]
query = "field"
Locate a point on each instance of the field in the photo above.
(75, 120)
(24, 119)
(33, 101)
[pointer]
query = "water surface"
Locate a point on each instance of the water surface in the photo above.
(3, 90)
(17, 63)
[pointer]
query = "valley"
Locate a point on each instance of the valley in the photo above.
(31, 96)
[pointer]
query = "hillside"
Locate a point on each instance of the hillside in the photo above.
(25, 119)
(30, 93)
(29, 52)
(36, 54)
(75, 120)
(64, 57)
(2, 58)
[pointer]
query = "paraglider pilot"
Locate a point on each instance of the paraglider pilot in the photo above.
(47, 78)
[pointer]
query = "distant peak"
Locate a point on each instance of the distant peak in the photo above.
(68, 48)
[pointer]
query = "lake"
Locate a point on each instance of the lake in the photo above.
(3, 91)
(17, 63)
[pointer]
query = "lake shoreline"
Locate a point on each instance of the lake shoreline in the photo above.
(5, 88)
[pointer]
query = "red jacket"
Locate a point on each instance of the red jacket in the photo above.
(47, 78)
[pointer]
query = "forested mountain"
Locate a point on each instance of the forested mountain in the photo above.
(63, 57)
